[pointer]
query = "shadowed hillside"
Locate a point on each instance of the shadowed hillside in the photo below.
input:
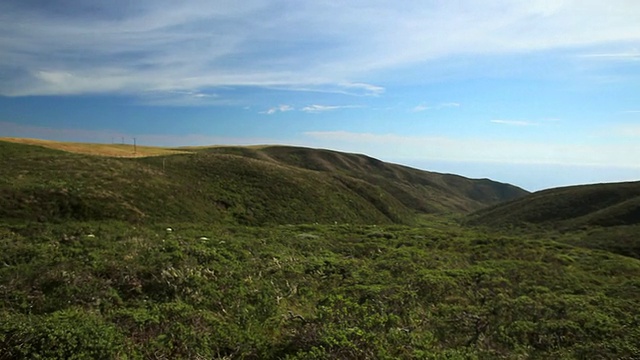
(600, 216)
(568, 207)
(254, 186)
(419, 190)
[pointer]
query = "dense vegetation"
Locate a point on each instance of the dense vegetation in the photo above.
(599, 216)
(112, 290)
(88, 269)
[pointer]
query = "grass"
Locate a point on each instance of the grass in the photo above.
(110, 150)
(290, 253)
(310, 291)
(568, 208)
(230, 185)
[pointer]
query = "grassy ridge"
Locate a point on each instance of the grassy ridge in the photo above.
(418, 190)
(600, 216)
(227, 185)
(113, 150)
(569, 207)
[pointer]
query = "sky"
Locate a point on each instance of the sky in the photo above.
(537, 93)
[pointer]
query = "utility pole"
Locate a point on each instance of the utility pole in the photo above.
(134, 146)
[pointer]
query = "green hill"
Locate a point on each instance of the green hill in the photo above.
(88, 269)
(245, 185)
(600, 216)
(568, 207)
(416, 189)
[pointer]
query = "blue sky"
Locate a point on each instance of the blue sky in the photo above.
(537, 93)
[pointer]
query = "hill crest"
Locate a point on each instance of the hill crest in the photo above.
(607, 204)
(247, 185)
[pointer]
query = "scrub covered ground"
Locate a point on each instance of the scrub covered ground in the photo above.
(436, 291)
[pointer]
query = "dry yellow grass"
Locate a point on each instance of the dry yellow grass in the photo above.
(112, 150)
(253, 147)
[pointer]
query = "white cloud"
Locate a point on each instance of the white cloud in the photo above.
(420, 108)
(620, 56)
(323, 108)
(319, 108)
(279, 108)
(424, 107)
(368, 89)
(514, 122)
(337, 46)
(359, 89)
(182, 98)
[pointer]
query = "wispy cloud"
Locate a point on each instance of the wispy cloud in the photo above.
(182, 98)
(279, 108)
(350, 89)
(337, 46)
(619, 56)
(514, 122)
(424, 107)
(319, 108)
(367, 89)
(323, 108)
(420, 108)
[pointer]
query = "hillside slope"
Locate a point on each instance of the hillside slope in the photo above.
(277, 185)
(419, 190)
(568, 207)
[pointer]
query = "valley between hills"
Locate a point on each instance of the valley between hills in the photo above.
(276, 252)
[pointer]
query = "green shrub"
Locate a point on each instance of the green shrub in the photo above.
(67, 334)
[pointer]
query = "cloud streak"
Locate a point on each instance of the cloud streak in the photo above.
(514, 122)
(620, 56)
(424, 107)
(277, 109)
(324, 108)
(337, 46)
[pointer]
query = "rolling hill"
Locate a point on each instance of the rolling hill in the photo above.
(88, 270)
(599, 216)
(245, 185)
(571, 207)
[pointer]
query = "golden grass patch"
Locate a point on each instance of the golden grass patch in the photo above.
(111, 150)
